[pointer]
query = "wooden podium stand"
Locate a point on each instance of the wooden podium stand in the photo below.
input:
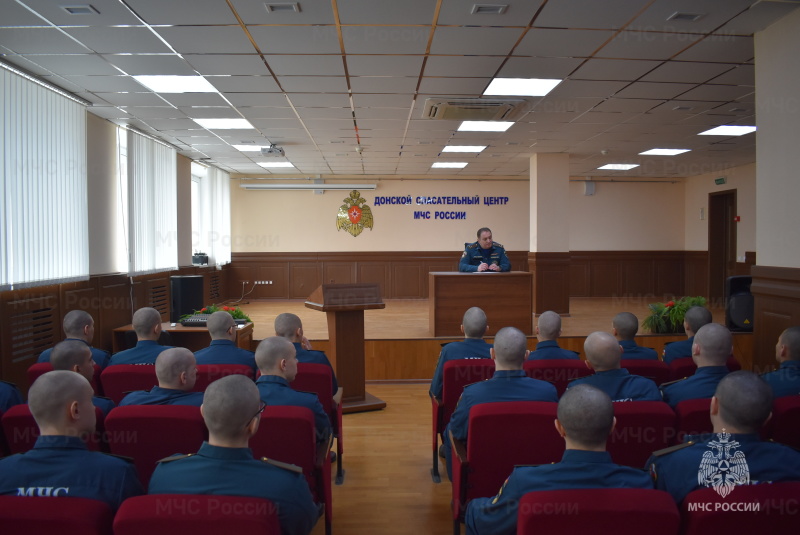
(344, 305)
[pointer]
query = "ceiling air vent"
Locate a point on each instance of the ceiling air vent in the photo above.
(474, 109)
(686, 17)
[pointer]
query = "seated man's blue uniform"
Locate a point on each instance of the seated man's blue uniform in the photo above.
(678, 350)
(9, 396)
(316, 357)
(469, 348)
(701, 385)
(225, 352)
(234, 472)
(275, 390)
(61, 466)
(578, 469)
(785, 381)
(548, 349)
(684, 468)
(100, 357)
(634, 352)
(104, 404)
(162, 396)
(474, 255)
(620, 385)
(505, 385)
(145, 352)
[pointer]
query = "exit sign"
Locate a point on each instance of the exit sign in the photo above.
(720, 180)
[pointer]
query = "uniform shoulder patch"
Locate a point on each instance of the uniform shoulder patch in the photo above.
(9, 383)
(672, 449)
(495, 244)
(286, 466)
(471, 245)
(668, 383)
(123, 457)
(175, 458)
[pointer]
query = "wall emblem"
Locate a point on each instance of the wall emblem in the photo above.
(354, 215)
(725, 467)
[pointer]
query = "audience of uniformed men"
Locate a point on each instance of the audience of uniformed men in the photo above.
(694, 318)
(147, 325)
(548, 329)
(75, 356)
(223, 349)
(79, 325)
(176, 371)
(624, 327)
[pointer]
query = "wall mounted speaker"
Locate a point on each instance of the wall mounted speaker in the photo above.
(588, 188)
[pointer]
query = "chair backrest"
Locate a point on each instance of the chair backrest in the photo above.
(617, 511)
(693, 418)
(120, 379)
(785, 423)
(456, 375)
(765, 508)
(682, 367)
(21, 431)
(40, 368)
(316, 378)
(149, 433)
(198, 514)
(208, 373)
(652, 369)
(559, 372)
(642, 428)
(24, 515)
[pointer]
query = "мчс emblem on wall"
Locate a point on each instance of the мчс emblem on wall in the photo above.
(354, 215)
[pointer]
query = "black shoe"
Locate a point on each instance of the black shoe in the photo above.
(333, 456)
(441, 452)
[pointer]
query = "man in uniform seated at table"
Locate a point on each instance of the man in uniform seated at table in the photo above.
(548, 329)
(147, 325)
(76, 356)
(585, 420)
(176, 371)
(79, 325)
(625, 326)
(223, 350)
(694, 318)
(484, 255)
(603, 354)
(225, 465)
(786, 380)
(60, 465)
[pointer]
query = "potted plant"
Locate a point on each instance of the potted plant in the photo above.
(668, 317)
(237, 313)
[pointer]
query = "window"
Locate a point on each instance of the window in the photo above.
(211, 214)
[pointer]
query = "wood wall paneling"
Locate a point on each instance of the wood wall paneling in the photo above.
(579, 278)
(696, 277)
(668, 277)
(776, 293)
(551, 279)
(278, 274)
(637, 277)
(604, 277)
(407, 281)
(304, 278)
(339, 272)
(375, 273)
(115, 302)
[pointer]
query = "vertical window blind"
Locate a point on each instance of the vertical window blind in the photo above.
(218, 228)
(44, 237)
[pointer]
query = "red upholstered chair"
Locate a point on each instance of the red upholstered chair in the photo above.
(642, 428)
(617, 511)
(148, 433)
(208, 373)
(456, 375)
(287, 434)
(652, 369)
(318, 378)
(785, 423)
(693, 418)
(25, 515)
(21, 430)
(766, 508)
(559, 372)
(501, 435)
(41, 368)
(120, 379)
(685, 367)
(198, 514)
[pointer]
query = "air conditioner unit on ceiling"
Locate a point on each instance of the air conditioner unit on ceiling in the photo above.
(475, 109)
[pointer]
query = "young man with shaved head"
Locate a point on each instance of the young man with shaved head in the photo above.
(625, 326)
(79, 325)
(785, 381)
(223, 350)
(693, 320)
(147, 325)
(548, 329)
(225, 465)
(60, 465)
(76, 356)
(176, 371)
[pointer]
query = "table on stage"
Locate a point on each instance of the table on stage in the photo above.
(506, 298)
(192, 338)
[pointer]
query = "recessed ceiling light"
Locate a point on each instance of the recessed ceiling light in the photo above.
(464, 148)
(275, 164)
(176, 84)
(250, 148)
(619, 166)
(488, 9)
(288, 7)
(223, 124)
(449, 165)
(529, 87)
(484, 126)
(663, 152)
(728, 131)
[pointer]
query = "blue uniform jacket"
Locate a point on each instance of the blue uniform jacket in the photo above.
(677, 350)
(104, 404)
(316, 357)
(275, 390)
(578, 469)
(226, 352)
(469, 348)
(633, 352)
(145, 352)
(234, 472)
(162, 396)
(61, 466)
(548, 349)
(505, 385)
(679, 471)
(474, 257)
(100, 357)
(620, 385)
(785, 381)
(9, 396)
(701, 385)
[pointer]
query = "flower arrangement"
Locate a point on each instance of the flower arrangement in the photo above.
(668, 317)
(237, 313)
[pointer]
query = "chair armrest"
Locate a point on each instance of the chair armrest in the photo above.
(324, 451)
(458, 447)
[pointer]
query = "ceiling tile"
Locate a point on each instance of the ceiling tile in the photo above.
(477, 41)
(382, 84)
(308, 84)
(195, 99)
(471, 87)
(627, 105)
(614, 69)
(39, 41)
(382, 101)
(296, 39)
(610, 14)
(654, 90)
(385, 39)
(647, 45)
(310, 13)
(758, 17)
(384, 65)
(112, 12)
(256, 99)
(406, 12)
(106, 84)
(580, 88)
(110, 40)
(549, 42)
(685, 71)
(244, 84)
(76, 64)
(458, 13)
(717, 92)
(727, 48)
(198, 13)
(207, 39)
(539, 67)
(316, 100)
(299, 64)
(132, 99)
(164, 64)
(714, 13)
(227, 64)
(740, 75)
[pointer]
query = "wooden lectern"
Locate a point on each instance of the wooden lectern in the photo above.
(344, 305)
